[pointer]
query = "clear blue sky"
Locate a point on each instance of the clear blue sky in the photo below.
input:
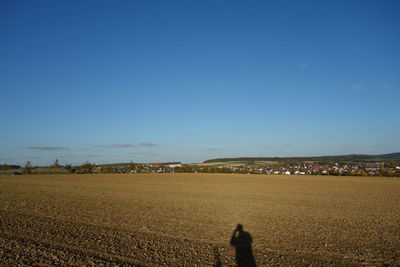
(115, 81)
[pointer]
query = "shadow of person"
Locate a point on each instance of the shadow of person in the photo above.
(242, 240)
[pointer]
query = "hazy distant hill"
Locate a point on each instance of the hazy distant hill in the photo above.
(394, 156)
(121, 164)
(352, 157)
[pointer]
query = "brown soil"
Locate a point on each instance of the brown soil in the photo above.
(188, 219)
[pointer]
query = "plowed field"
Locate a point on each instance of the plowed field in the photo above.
(188, 219)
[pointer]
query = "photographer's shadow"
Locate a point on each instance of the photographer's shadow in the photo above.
(242, 242)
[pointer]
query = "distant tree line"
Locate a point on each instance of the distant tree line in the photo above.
(84, 168)
(5, 167)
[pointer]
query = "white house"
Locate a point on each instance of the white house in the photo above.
(174, 165)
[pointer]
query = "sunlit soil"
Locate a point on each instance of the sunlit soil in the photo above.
(188, 219)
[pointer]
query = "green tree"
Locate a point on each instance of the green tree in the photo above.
(334, 172)
(131, 166)
(4, 167)
(56, 164)
(107, 169)
(27, 168)
(87, 167)
(68, 167)
(383, 172)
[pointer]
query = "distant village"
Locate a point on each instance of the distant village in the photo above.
(375, 169)
(388, 169)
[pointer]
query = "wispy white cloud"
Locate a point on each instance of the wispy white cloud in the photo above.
(47, 148)
(116, 146)
(146, 144)
(355, 86)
